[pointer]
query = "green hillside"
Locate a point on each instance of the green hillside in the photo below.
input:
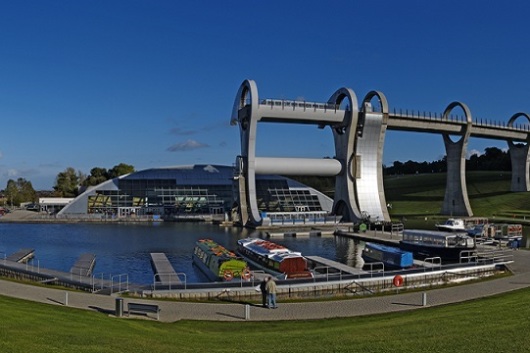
(421, 195)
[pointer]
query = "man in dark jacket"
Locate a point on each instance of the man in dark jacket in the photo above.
(263, 288)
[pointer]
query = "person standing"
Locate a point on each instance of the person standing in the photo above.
(263, 288)
(271, 292)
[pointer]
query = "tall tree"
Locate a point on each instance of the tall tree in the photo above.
(120, 169)
(19, 191)
(26, 193)
(11, 192)
(96, 177)
(67, 182)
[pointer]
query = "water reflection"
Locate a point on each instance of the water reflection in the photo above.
(126, 248)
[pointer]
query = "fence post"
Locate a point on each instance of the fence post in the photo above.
(247, 312)
(424, 299)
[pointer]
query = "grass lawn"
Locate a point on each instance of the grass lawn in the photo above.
(495, 324)
(489, 194)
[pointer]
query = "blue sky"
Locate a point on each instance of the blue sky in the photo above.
(88, 84)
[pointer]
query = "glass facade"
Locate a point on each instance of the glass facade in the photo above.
(190, 191)
(187, 191)
(276, 196)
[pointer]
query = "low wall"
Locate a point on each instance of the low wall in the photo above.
(335, 289)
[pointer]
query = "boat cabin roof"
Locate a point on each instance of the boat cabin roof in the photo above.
(210, 246)
(433, 234)
(267, 248)
(385, 248)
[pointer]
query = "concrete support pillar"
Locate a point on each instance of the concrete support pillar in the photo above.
(246, 114)
(360, 145)
(345, 200)
(357, 165)
(520, 158)
(370, 140)
(456, 201)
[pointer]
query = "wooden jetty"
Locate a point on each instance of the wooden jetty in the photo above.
(321, 261)
(164, 271)
(22, 256)
(84, 265)
(301, 234)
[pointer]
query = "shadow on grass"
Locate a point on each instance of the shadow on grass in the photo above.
(56, 301)
(407, 304)
(103, 311)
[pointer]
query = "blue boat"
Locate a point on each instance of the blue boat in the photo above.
(390, 256)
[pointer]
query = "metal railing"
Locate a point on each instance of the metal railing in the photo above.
(172, 281)
(436, 262)
(294, 104)
(122, 285)
(468, 256)
(95, 281)
(31, 267)
(416, 114)
(379, 268)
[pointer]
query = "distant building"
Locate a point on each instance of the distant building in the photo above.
(193, 191)
(52, 205)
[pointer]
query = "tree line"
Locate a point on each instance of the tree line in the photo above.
(493, 158)
(71, 182)
(68, 183)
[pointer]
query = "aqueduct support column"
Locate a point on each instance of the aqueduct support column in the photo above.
(345, 200)
(249, 110)
(358, 138)
(370, 140)
(520, 158)
(456, 201)
(247, 97)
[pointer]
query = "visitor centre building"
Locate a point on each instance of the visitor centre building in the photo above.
(201, 192)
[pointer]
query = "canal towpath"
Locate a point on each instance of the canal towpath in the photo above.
(172, 311)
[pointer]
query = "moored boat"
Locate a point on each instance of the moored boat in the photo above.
(452, 225)
(390, 256)
(508, 231)
(218, 263)
(430, 243)
(273, 258)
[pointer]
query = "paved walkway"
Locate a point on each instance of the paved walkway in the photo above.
(173, 311)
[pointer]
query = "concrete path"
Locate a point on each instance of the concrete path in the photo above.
(174, 311)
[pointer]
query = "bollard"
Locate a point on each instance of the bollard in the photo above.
(247, 312)
(66, 298)
(119, 307)
(424, 299)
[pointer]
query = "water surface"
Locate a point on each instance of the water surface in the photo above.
(125, 248)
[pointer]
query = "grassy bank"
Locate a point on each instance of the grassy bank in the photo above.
(496, 324)
(420, 196)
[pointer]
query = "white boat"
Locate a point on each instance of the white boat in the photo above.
(431, 243)
(273, 258)
(452, 225)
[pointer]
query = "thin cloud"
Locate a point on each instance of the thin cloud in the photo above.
(179, 131)
(10, 173)
(51, 165)
(182, 132)
(217, 125)
(474, 152)
(189, 145)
